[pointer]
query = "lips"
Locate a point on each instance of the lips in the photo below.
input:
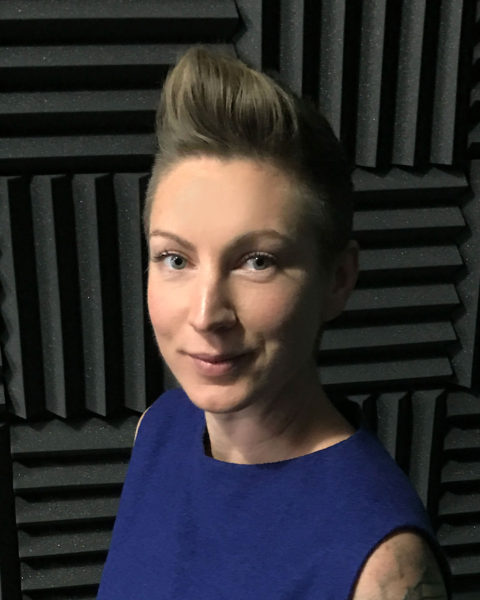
(216, 358)
(216, 365)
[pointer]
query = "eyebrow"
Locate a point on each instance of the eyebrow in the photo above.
(244, 237)
(172, 236)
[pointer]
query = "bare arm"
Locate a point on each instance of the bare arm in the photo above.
(401, 568)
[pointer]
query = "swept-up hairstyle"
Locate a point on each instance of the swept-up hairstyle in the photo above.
(212, 104)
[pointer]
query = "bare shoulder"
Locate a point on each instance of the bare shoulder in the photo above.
(139, 423)
(401, 568)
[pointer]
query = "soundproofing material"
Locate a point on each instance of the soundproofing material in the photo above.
(406, 340)
(459, 503)
(66, 479)
(399, 82)
(83, 324)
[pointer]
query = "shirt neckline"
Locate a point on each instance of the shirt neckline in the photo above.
(215, 464)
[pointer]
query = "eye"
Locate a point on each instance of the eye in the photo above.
(259, 261)
(176, 261)
(173, 261)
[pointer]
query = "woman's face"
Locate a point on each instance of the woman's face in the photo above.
(235, 291)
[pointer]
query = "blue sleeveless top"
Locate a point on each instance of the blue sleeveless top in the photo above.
(192, 527)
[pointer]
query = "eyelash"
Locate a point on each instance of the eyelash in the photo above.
(266, 255)
(162, 255)
(269, 257)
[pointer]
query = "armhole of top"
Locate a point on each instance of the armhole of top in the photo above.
(432, 544)
(139, 423)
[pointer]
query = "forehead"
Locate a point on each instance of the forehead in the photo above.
(207, 190)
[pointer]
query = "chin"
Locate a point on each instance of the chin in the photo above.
(217, 398)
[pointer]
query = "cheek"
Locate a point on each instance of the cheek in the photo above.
(283, 311)
(161, 308)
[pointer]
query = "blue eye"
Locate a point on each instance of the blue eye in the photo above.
(259, 261)
(174, 261)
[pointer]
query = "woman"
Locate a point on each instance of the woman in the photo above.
(246, 482)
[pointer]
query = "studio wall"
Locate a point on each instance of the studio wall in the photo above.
(400, 84)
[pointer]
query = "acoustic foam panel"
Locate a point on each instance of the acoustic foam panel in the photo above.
(77, 112)
(66, 479)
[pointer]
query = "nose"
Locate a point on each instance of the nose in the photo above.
(211, 308)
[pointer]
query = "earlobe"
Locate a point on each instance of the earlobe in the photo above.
(343, 280)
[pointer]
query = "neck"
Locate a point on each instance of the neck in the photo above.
(285, 426)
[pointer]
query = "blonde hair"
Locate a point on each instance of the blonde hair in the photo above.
(213, 104)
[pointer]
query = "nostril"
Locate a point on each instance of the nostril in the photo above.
(214, 320)
(211, 308)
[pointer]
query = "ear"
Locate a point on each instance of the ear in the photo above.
(342, 280)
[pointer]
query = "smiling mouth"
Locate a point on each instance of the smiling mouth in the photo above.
(214, 365)
(217, 358)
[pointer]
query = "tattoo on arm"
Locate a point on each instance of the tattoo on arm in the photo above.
(426, 590)
(402, 568)
(430, 585)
